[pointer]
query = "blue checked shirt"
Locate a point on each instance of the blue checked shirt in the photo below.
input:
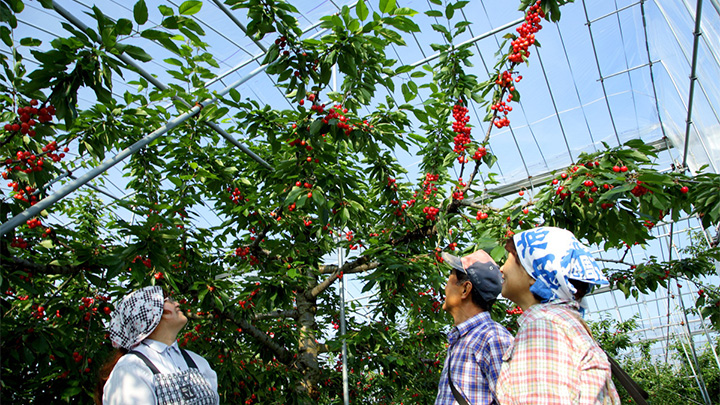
(474, 357)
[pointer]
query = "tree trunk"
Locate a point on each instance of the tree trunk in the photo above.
(307, 346)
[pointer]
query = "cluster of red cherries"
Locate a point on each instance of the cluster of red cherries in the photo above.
(460, 128)
(26, 118)
(527, 33)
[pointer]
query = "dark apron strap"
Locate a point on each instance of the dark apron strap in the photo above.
(146, 360)
(190, 362)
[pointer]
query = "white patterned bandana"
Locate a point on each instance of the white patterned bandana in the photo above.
(137, 316)
(553, 256)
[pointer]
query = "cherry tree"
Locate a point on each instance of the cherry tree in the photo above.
(322, 177)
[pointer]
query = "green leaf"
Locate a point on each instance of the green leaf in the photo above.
(440, 28)
(138, 53)
(30, 42)
(190, 7)
(165, 10)
(387, 6)
(235, 95)
(293, 195)
(140, 12)
(316, 126)
(123, 26)
(361, 10)
(434, 13)
(404, 11)
(173, 61)
(407, 93)
(5, 34)
(17, 6)
(449, 11)
(318, 197)
(498, 253)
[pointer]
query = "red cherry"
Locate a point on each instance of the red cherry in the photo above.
(525, 211)
(521, 193)
(310, 195)
(616, 169)
(564, 175)
(624, 169)
(684, 189)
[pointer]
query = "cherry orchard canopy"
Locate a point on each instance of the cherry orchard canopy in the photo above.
(607, 72)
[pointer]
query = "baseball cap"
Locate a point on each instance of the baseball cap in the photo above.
(483, 272)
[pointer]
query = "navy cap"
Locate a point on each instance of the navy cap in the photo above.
(483, 272)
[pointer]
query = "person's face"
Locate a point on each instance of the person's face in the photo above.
(516, 281)
(454, 292)
(172, 313)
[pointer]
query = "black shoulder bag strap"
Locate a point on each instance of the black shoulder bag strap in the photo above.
(456, 393)
(638, 394)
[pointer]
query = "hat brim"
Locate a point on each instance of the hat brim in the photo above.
(453, 261)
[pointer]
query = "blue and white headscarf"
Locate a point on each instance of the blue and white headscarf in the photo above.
(553, 256)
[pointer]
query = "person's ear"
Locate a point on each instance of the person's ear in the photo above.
(467, 288)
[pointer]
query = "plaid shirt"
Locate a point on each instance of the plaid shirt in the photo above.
(474, 358)
(554, 360)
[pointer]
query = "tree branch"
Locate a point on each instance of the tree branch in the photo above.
(261, 337)
(280, 352)
(44, 269)
(358, 266)
(277, 314)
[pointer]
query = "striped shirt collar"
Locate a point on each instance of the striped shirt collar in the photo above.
(160, 347)
(461, 330)
(530, 314)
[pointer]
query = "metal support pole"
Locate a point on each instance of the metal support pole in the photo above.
(108, 163)
(614, 12)
(343, 330)
(693, 78)
(602, 82)
(691, 361)
(237, 22)
(627, 70)
(472, 40)
(557, 113)
(652, 75)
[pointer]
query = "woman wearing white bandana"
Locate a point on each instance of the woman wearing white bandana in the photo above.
(149, 367)
(553, 359)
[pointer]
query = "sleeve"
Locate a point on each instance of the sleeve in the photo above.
(491, 357)
(205, 370)
(595, 379)
(129, 383)
(539, 365)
